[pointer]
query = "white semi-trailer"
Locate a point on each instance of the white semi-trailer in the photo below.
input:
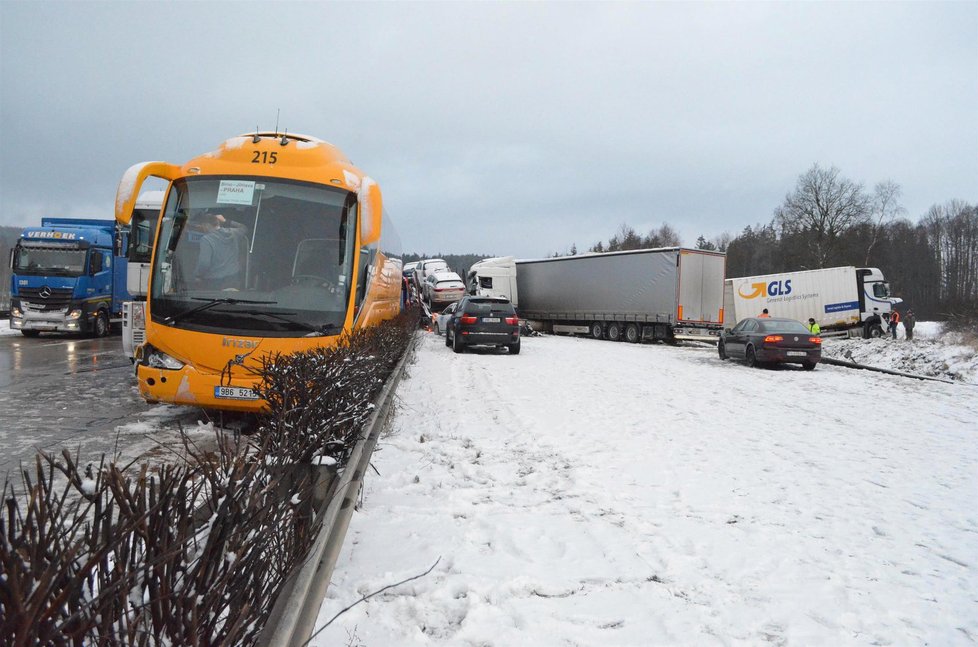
(844, 299)
(665, 294)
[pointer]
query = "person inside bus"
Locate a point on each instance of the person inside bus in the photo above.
(221, 250)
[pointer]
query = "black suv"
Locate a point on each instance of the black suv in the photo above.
(483, 321)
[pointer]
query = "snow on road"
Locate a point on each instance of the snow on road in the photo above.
(598, 493)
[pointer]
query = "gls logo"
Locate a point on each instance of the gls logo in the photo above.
(772, 289)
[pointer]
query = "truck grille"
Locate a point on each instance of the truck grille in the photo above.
(34, 298)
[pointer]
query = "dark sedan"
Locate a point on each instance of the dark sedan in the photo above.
(768, 340)
(483, 321)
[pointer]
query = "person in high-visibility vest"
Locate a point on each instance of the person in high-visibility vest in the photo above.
(894, 320)
(813, 326)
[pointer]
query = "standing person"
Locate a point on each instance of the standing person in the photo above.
(894, 321)
(764, 314)
(908, 323)
(813, 326)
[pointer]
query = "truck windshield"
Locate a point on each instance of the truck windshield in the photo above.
(881, 290)
(275, 256)
(49, 259)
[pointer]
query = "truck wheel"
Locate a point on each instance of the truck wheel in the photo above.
(596, 330)
(30, 333)
(876, 332)
(614, 331)
(721, 350)
(101, 325)
(632, 334)
(752, 357)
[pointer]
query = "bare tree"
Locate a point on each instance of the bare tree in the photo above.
(824, 206)
(885, 207)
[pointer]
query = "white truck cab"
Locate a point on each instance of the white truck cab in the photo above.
(493, 277)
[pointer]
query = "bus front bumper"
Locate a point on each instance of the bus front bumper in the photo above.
(188, 386)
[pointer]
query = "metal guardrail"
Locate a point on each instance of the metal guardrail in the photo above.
(293, 617)
(866, 367)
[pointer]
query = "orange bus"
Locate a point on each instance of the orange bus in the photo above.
(270, 244)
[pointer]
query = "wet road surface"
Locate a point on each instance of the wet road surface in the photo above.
(78, 394)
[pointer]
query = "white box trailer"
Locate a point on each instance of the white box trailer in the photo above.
(838, 298)
(667, 293)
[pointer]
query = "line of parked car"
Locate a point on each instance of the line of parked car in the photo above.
(470, 320)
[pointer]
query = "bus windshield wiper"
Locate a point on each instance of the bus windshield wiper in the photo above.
(315, 330)
(210, 304)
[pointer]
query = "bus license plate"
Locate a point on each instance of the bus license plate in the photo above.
(797, 353)
(490, 319)
(234, 393)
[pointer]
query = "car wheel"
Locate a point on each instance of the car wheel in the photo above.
(448, 341)
(614, 331)
(808, 366)
(721, 350)
(457, 345)
(101, 326)
(30, 333)
(752, 357)
(596, 330)
(514, 349)
(632, 333)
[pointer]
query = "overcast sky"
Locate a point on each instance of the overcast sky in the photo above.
(502, 128)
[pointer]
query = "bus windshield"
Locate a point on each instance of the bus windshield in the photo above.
(254, 256)
(44, 258)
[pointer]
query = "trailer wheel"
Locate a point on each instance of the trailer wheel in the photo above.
(596, 330)
(632, 334)
(101, 325)
(614, 331)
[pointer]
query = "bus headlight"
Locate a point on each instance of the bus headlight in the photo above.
(158, 359)
(74, 314)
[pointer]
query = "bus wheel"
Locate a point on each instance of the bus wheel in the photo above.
(101, 325)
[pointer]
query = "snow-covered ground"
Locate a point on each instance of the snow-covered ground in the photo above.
(599, 493)
(5, 328)
(931, 352)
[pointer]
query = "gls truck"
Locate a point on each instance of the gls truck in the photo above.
(840, 299)
(656, 294)
(68, 275)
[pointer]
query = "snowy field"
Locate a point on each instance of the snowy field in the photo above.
(598, 493)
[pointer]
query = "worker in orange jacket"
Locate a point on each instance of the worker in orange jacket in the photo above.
(894, 320)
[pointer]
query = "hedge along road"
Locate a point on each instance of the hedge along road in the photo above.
(76, 393)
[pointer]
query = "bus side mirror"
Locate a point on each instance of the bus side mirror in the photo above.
(132, 180)
(371, 211)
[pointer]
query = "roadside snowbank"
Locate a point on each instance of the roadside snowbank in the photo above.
(930, 353)
(594, 493)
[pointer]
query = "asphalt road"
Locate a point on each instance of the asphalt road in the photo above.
(78, 394)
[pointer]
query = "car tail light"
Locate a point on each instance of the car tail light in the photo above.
(468, 320)
(513, 321)
(815, 340)
(773, 339)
